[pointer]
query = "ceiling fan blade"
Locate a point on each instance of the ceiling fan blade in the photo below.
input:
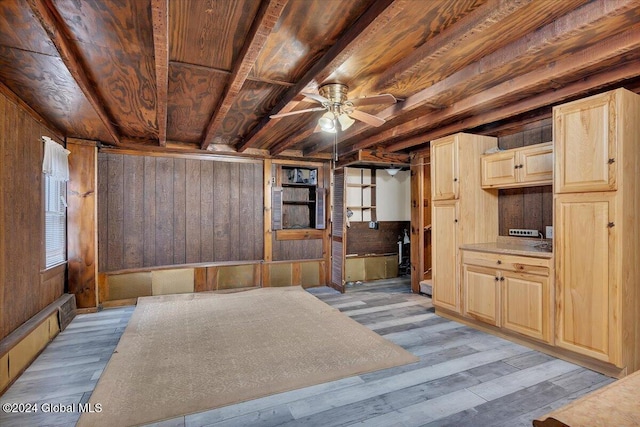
(369, 119)
(307, 110)
(319, 98)
(385, 98)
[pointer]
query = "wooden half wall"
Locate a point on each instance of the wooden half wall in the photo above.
(25, 288)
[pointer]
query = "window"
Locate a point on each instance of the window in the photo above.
(55, 167)
(55, 220)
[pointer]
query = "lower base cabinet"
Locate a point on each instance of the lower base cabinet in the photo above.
(510, 292)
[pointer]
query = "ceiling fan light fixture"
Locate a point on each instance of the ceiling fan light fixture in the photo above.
(326, 122)
(345, 121)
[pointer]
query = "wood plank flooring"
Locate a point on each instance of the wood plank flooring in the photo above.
(464, 377)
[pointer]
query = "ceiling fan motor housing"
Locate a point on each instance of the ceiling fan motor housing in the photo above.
(336, 93)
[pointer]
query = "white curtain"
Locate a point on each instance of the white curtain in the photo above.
(56, 162)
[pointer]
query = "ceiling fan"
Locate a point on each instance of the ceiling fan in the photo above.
(340, 110)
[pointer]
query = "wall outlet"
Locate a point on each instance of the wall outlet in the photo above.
(548, 233)
(521, 232)
(373, 225)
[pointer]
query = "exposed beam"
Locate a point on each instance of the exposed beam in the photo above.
(479, 21)
(496, 64)
(50, 20)
(527, 83)
(373, 158)
(374, 19)
(266, 18)
(565, 93)
(228, 73)
(160, 17)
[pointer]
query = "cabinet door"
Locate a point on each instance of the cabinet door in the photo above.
(535, 164)
(498, 169)
(444, 226)
(481, 292)
(585, 144)
(525, 302)
(588, 317)
(444, 169)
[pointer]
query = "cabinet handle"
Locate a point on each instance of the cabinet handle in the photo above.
(612, 160)
(496, 279)
(455, 179)
(502, 279)
(611, 225)
(455, 220)
(499, 262)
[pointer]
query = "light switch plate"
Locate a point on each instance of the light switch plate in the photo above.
(548, 232)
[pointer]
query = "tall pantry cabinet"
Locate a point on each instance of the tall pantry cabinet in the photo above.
(462, 212)
(597, 227)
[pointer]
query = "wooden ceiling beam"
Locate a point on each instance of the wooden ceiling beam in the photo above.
(373, 158)
(374, 19)
(479, 21)
(580, 20)
(46, 13)
(551, 97)
(160, 18)
(266, 18)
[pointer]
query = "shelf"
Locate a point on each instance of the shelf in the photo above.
(298, 202)
(360, 185)
(293, 184)
(360, 207)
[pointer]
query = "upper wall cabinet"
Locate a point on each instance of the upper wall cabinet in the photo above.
(519, 167)
(444, 172)
(585, 135)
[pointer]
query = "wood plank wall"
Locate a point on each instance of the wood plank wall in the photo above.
(363, 240)
(155, 211)
(24, 290)
(532, 207)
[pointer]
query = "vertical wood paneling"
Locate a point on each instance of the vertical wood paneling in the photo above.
(133, 211)
(193, 206)
(81, 225)
(164, 211)
(149, 204)
(4, 140)
(233, 234)
(179, 212)
(116, 212)
(222, 216)
(206, 171)
(246, 211)
(23, 290)
(103, 211)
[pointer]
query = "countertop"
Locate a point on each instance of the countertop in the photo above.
(513, 246)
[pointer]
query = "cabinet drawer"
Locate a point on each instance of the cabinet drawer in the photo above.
(521, 264)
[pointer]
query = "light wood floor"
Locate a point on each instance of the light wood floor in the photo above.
(464, 377)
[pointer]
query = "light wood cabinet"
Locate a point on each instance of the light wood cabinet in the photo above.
(444, 225)
(481, 292)
(445, 173)
(588, 313)
(457, 199)
(518, 167)
(597, 227)
(585, 132)
(509, 291)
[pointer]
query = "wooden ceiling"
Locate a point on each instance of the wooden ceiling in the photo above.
(206, 74)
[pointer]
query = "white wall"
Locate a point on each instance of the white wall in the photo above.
(393, 196)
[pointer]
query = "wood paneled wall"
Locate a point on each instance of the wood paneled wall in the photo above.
(155, 211)
(24, 290)
(363, 240)
(532, 207)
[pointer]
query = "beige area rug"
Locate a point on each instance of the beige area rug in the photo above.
(188, 353)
